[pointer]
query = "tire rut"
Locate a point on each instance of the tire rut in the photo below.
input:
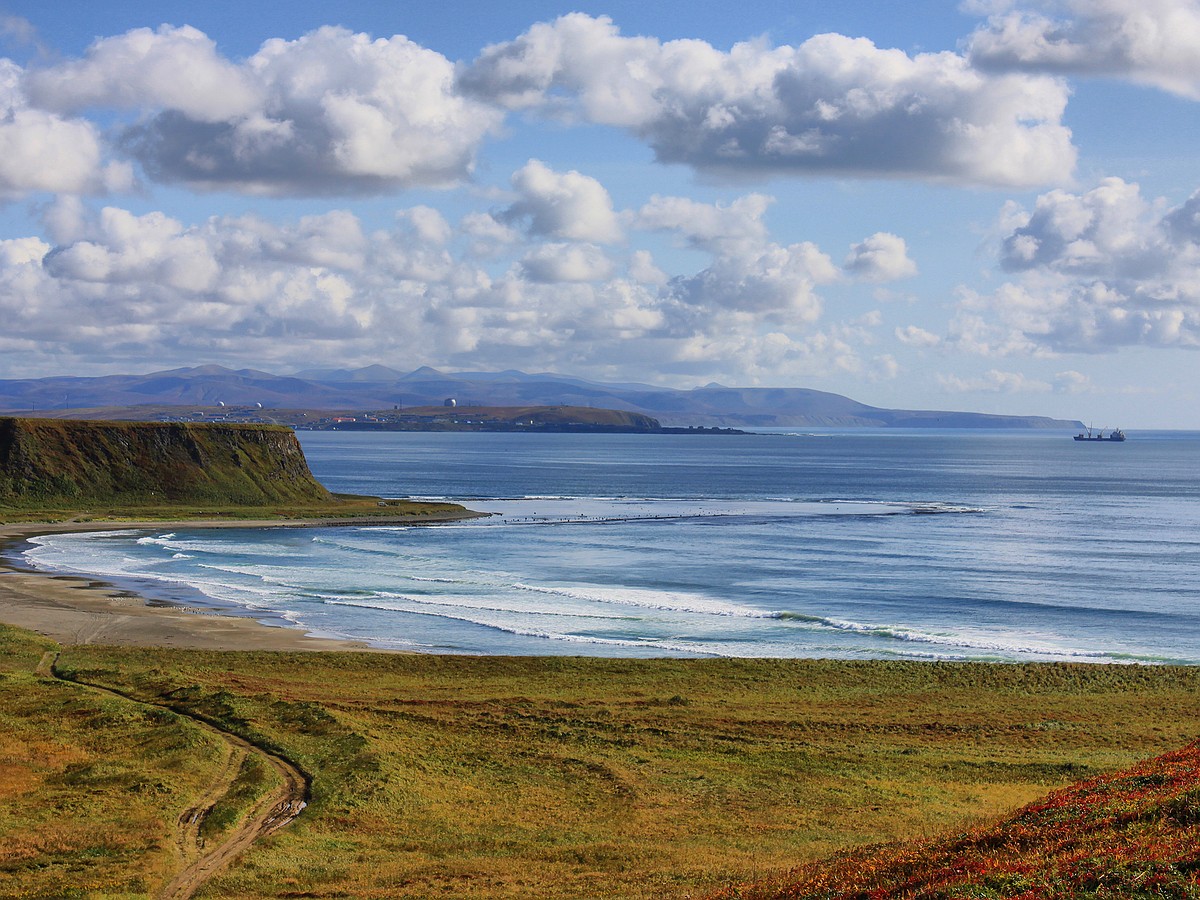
(272, 811)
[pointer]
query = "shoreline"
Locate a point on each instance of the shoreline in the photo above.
(80, 609)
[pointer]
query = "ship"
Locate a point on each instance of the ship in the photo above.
(1098, 435)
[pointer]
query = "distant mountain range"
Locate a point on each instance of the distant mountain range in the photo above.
(378, 388)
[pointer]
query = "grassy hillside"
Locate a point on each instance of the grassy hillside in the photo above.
(555, 778)
(89, 784)
(1130, 834)
(47, 463)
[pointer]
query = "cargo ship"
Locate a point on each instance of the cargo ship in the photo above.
(1098, 435)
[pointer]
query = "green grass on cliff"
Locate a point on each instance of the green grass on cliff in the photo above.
(53, 470)
(48, 462)
(556, 778)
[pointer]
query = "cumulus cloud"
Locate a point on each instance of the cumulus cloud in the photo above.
(44, 151)
(129, 249)
(335, 112)
(563, 205)
(330, 112)
(643, 270)
(1093, 271)
(1154, 42)
(749, 272)
(171, 68)
(832, 105)
(20, 252)
(322, 289)
(881, 257)
(551, 263)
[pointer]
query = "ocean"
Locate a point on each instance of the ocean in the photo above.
(890, 544)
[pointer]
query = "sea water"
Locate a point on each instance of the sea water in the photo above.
(853, 544)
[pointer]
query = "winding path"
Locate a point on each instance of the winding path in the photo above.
(272, 811)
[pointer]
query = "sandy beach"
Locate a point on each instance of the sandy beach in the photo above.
(80, 610)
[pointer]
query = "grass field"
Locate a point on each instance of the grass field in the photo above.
(342, 506)
(1127, 835)
(515, 777)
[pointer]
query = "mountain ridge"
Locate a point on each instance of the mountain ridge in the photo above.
(383, 387)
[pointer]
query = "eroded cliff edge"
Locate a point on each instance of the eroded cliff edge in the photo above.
(55, 462)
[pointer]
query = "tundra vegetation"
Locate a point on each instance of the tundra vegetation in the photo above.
(547, 777)
(515, 777)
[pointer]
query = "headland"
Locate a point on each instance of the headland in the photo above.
(77, 476)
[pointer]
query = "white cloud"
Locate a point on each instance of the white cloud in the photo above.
(643, 270)
(884, 368)
(20, 252)
(563, 205)
(319, 289)
(915, 336)
(551, 263)
(171, 68)
(129, 249)
(832, 105)
(488, 236)
(330, 112)
(712, 227)
(1154, 42)
(749, 273)
(1072, 382)
(429, 224)
(1093, 271)
(881, 257)
(995, 382)
(42, 151)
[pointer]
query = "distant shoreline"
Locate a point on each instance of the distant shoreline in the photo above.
(79, 609)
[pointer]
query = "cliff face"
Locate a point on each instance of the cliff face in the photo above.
(55, 461)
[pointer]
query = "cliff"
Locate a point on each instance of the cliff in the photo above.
(52, 461)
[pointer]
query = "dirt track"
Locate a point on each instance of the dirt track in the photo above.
(272, 812)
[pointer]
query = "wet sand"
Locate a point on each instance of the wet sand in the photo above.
(80, 610)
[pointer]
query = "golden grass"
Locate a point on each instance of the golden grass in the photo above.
(512, 777)
(1119, 836)
(89, 783)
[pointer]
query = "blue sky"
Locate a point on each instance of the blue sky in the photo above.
(979, 205)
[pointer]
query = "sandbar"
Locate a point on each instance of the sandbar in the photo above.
(77, 610)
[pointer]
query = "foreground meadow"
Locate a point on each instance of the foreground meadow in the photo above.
(544, 777)
(1125, 835)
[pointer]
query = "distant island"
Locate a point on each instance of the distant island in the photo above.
(349, 392)
(524, 419)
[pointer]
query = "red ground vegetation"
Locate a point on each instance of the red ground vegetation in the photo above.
(1129, 834)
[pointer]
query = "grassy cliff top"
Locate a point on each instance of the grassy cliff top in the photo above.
(48, 463)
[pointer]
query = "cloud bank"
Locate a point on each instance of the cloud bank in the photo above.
(329, 113)
(1153, 42)
(1094, 271)
(325, 289)
(833, 105)
(339, 113)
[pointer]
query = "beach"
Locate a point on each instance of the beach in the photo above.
(76, 610)
(948, 545)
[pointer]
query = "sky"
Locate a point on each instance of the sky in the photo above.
(988, 205)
